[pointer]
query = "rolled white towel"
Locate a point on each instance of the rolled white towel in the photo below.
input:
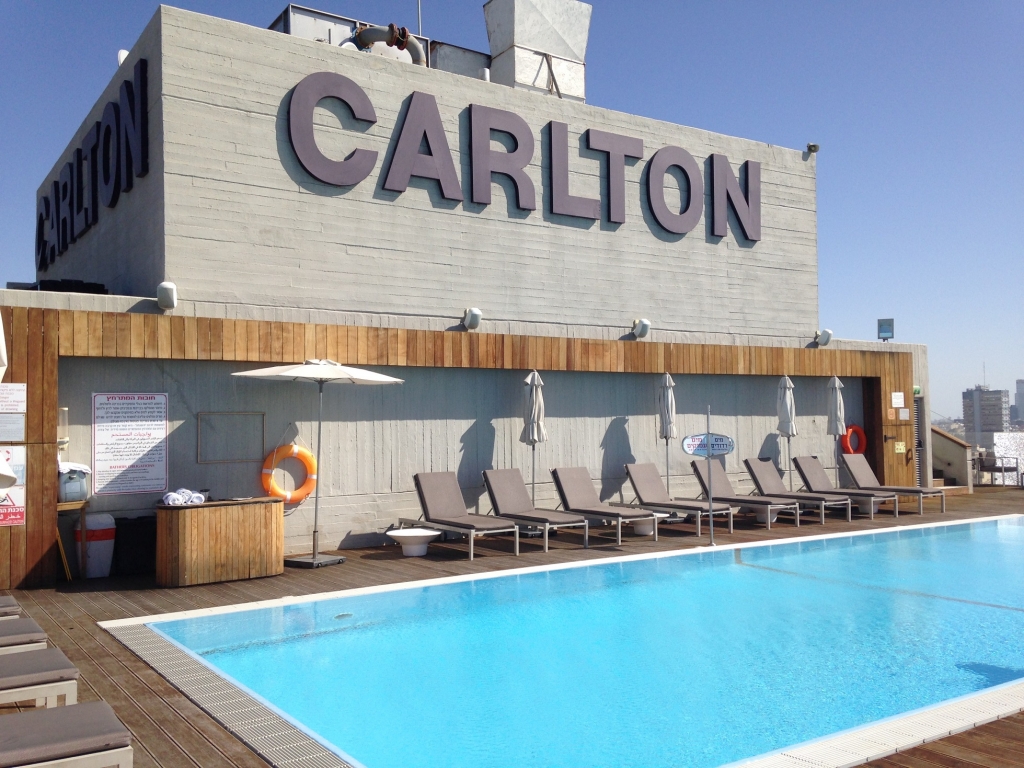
(197, 498)
(185, 494)
(173, 499)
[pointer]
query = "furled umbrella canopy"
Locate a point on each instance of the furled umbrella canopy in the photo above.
(836, 408)
(534, 431)
(320, 372)
(667, 419)
(785, 406)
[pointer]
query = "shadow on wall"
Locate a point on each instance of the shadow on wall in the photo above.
(771, 448)
(617, 452)
(477, 455)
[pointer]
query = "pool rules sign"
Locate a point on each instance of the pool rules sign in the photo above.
(129, 443)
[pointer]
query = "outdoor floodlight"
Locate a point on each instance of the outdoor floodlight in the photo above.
(472, 318)
(813, 148)
(121, 56)
(641, 327)
(167, 296)
(886, 329)
(823, 337)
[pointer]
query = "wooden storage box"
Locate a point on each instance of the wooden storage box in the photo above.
(219, 541)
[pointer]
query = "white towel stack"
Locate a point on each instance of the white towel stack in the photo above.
(183, 496)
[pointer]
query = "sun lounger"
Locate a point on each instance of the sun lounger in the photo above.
(860, 472)
(576, 490)
(21, 634)
(768, 483)
(444, 509)
(511, 500)
(816, 481)
(40, 676)
(650, 492)
(9, 608)
(83, 736)
(722, 490)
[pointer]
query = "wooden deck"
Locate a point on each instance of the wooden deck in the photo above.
(170, 731)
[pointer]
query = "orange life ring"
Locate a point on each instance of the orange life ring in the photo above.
(289, 452)
(862, 440)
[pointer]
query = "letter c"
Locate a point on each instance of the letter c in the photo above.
(306, 95)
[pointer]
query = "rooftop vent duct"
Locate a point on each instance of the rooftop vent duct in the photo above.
(540, 45)
(394, 37)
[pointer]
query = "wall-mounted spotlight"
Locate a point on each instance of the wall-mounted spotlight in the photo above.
(813, 148)
(471, 320)
(823, 337)
(641, 327)
(121, 56)
(167, 296)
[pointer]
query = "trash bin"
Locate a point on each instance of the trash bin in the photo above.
(99, 545)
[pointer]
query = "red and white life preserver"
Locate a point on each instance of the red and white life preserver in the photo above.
(862, 440)
(289, 452)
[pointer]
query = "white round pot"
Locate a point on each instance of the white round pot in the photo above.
(762, 515)
(413, 540)
(643, 527)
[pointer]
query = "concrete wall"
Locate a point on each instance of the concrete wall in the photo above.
(952, 458)
(245, 224)
(376, 438)
(124, 250)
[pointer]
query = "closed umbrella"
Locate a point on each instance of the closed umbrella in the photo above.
(535, 432)
(320, 372)
(836, 416)
(785, 406)
(667, 418)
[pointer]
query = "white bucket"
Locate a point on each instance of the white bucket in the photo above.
(73, 486)
(99, 545)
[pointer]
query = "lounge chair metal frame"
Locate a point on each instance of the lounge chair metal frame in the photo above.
(802, 498)
(899, 490)
(34, 646)
(545, 526)
(874, 499)
(44, 694)
(741, 501)
(605, 518)
(122, 757)
(676, 505)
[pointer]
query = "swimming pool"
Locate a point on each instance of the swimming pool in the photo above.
(693, 659)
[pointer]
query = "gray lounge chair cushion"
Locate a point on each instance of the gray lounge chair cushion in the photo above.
(19, 632)
(768, 481)
(510, 497)
(576, 490)
(477, 522)
(814, 477)
(721, 488)
(860, 472)
(440, 495)
(650, 491)
(51, 734)
(9, 606)
(49, 665)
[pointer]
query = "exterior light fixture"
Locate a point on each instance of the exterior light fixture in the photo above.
(641, 327)
(823, 337)
(121, 56)
(813, 149)
(886, 329)
(471, 320)
(167, 296)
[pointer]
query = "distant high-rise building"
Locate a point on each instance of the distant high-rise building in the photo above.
(1018, 396)
(985, 410)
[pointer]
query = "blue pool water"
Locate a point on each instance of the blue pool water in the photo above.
(691, 660)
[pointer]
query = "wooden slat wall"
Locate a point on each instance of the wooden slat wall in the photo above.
(37, 337)
(28, 553)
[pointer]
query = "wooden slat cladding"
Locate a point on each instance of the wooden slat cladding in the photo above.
(264, 341)
(28, 552)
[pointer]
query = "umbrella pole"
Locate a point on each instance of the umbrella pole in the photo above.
(316, 499)
(789, 457)
(711, 498)
(533, 480)
(667, 475)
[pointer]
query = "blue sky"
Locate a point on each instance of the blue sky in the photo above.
(918, 108)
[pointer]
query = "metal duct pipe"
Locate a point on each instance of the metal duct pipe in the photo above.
(394, 36)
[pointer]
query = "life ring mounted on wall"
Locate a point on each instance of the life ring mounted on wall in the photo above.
(862, 440)
(289, 452)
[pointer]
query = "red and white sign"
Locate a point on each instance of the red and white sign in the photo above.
(129, 443)
(12, 500)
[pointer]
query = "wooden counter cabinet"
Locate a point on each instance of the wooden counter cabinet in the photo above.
(219, 541)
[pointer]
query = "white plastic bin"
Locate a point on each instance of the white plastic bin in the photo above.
(99, 545)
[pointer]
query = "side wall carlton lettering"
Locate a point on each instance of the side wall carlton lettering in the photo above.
(422, 130)
(114, 152)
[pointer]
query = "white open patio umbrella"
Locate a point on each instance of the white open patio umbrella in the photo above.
(785, 406)
(535, 432)
(667, 419)
(836, 416)
(320, 372)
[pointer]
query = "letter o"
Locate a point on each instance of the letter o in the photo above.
(110, 155)
(682, 222)
(306, 95)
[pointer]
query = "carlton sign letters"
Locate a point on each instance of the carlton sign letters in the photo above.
(422, 129)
